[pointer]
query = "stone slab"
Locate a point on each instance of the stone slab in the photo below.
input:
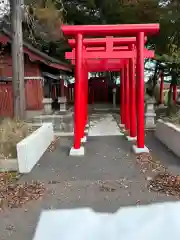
(155, 221)
(106, 126)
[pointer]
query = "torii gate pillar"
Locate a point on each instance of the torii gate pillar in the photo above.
(126, 100)
(132, 99)
(84, 104)
(77, 149)
(140, 147)
(122, 98)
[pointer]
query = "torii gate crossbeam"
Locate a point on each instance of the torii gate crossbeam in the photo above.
(102, 42)
(123, 54)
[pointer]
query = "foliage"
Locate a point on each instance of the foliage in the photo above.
(51, 13)
(164, 12)
(168, 42)
(111, 12)
(42, 25)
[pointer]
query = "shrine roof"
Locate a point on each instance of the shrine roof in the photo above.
(35, 54)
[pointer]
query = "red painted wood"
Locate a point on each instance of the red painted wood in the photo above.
(97, 49)
(6, 100)
(98, 89)
(140, 90)
(122, 96)
(127, 97)
(110, 55)
(78, 110)
(101, 65)
(100, 42)
(4, 39)
(33, 88)
(110, 30)
(174, 93)
(137, 30)
(132, 97)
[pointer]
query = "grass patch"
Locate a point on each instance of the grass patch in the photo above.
(11, 132)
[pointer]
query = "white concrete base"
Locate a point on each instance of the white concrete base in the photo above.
(169, 134)
(137, 150)
(84, 139)
(31, 148)
(64, 134)
(77, 152)
(129, 138)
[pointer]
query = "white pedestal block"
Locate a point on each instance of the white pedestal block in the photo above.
(77, 152)
(137, 150)
(150, 114)
(47, 105)
(129, 138)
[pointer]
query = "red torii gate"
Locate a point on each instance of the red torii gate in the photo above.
(138, 30)
(131, 108)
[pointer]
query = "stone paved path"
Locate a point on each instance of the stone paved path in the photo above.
(103, 125)
(79, 182)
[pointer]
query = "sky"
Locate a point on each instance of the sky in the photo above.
(4, 8)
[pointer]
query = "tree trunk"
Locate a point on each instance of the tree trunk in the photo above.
(17, 59)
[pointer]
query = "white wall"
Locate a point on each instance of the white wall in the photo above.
(31, 149)
(169, 135)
